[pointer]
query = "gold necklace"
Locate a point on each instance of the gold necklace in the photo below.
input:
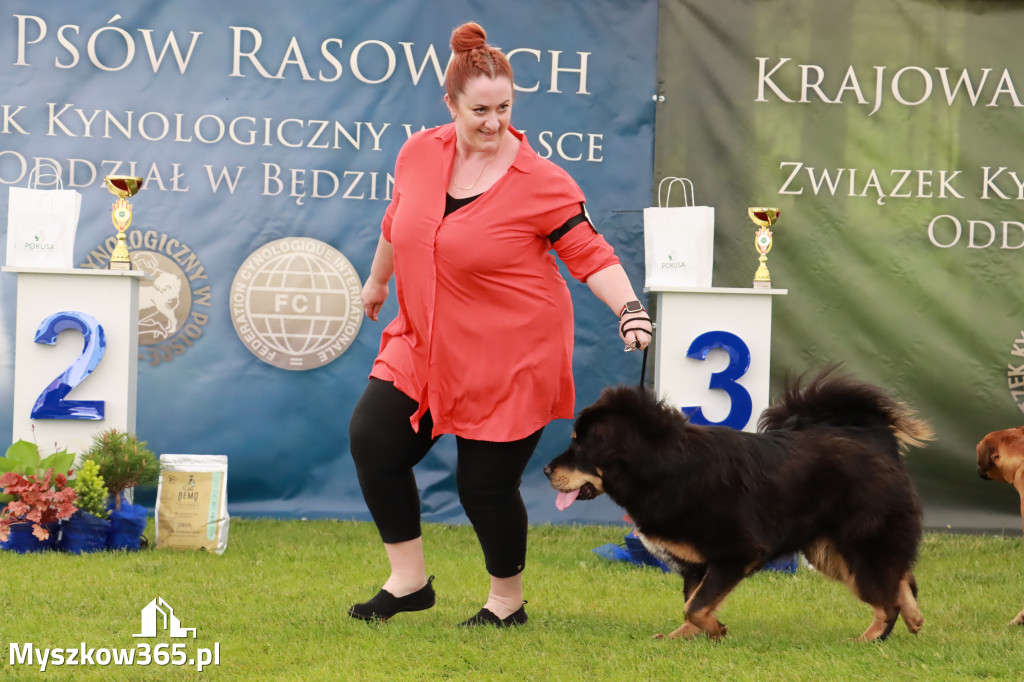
(455, 178)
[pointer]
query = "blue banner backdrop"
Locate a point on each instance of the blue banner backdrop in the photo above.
(266, 136)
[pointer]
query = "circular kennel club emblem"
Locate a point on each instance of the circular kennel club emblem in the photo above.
(296, 303)
(163, 309)
(174, 296)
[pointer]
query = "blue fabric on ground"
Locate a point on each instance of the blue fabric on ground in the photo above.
(633, 552)
(126, 526)
(22, 541)
(612, 552)
(84, 532)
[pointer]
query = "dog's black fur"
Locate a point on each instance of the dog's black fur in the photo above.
(824, 475)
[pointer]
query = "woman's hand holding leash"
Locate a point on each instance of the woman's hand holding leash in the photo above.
(635, 326)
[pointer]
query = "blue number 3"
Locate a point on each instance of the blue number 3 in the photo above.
(739, 363)
(51, 403)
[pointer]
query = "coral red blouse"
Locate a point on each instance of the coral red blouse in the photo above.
(484, 332)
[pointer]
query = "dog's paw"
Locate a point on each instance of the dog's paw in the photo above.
(913, 623)
(688, 631)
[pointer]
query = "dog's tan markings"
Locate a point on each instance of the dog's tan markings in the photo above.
(882, 622)
(685, 631)
(908, 429)
(703, 621)
(823, 555)
(1019, 620)
(565, 480)
(689, 629)
(707, 621)
(680, 550)
(908, 606)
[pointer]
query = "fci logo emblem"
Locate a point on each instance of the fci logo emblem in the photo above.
(296, 303)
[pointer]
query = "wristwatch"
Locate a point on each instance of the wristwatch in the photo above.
(632, 307)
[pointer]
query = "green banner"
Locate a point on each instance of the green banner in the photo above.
(887, 132)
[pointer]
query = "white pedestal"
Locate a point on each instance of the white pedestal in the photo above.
(713, 353)
(81, 306)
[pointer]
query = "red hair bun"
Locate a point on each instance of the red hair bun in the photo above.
(468, 37)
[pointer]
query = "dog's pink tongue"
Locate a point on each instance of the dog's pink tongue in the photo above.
(565, 499)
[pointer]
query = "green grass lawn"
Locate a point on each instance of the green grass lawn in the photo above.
(275, 603)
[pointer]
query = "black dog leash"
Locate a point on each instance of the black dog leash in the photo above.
(629, 349)
(643, 365)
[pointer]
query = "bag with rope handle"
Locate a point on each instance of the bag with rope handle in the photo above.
(679, 241)
(41, 223)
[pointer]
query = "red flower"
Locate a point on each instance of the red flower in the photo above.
(38, 502)
(40, 532)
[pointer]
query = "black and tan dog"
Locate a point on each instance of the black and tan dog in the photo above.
(1001, 458)
(824, 476)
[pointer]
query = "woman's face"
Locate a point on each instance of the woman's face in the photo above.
(482, 112)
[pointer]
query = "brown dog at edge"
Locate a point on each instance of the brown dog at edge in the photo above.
(1001, 458)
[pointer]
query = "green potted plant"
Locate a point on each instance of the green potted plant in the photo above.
(92, 489)
(124, 462)
(36, 494)
(88, 528)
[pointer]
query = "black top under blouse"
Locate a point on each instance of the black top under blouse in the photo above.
(451, 204)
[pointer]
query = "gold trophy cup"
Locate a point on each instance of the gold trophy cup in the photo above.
(122, 187)
(764, 218)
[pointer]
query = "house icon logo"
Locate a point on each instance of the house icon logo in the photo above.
(159, 612)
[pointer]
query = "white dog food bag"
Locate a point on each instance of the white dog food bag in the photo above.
(192, 503)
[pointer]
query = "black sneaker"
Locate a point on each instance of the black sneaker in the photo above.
(485, 617)
(384, 604)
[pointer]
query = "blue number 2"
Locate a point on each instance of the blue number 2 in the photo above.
(739, 362)
(51, 403)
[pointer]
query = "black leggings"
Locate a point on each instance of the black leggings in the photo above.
(385, 450)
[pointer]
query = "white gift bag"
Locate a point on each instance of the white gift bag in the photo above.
(679, 241)
(41, 223)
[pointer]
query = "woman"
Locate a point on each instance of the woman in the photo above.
(482, 344)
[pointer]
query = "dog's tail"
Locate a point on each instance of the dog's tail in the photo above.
(832, 398)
